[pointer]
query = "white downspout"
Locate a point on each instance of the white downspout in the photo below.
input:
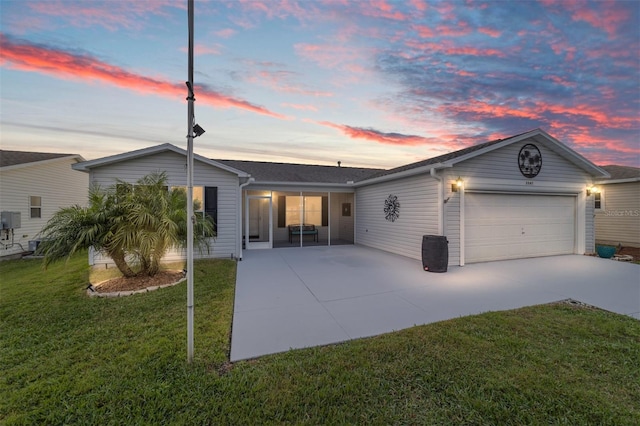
(440, 200)
(239, 215)
(462, 224)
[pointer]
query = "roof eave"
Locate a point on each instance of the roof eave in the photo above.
(403, 174)
(100, 162)
(610, 181)
(573, 156)
(301, 184)
(77, 157)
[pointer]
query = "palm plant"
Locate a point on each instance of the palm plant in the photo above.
(133, 224)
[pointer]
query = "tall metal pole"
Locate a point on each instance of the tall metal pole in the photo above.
(190, 218)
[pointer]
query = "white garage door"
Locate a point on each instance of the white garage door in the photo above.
(506, 226)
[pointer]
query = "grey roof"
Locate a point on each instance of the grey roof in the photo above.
(622, 172)
(303, 173)
(12, 158)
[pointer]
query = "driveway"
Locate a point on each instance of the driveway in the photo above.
(294, 298)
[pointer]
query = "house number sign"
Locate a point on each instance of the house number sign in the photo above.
(391, 208)
(529, 161)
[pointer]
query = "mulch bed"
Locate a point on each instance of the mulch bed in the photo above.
(631, 251)
(139, 283)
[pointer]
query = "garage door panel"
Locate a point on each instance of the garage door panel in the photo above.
(501, 226)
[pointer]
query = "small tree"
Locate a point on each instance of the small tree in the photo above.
(133, 224)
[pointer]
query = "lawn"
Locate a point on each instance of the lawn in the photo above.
(69, 359)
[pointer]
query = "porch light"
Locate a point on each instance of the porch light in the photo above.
(592, 190)
(455, 187)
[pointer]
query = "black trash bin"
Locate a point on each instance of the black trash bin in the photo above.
(435, 253)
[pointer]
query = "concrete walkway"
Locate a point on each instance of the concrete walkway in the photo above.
(294, 298)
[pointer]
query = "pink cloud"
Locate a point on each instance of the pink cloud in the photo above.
(332, 56)
(424, 31)
(301, 107)
(201, 49)
(559, 80)
(72, 66)
(492, 32)
(604, 15)
(464, 73)
(376, 135)
(225, 33)
(607, 18)
(453, 31)
(109, 15)
(420, 5)
(382, 9)
(280, 9)
(447, 47)
(272, 75)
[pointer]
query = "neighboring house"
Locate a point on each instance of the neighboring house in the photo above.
(522, 196)
(617, 207)
(33, 186)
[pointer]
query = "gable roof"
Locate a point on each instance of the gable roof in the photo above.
(15, 159)
(266, 172)
(452, 158)
(621, 174)
(88, 165)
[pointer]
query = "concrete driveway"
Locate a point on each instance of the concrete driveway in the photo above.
(294, 298)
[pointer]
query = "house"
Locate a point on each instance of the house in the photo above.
(617, 207)
(517, 197)
(33, 186)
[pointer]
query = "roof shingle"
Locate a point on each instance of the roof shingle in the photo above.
(622, 172)
(12, 158)
(303, 173)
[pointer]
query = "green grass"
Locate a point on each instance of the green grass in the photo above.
(69, 359)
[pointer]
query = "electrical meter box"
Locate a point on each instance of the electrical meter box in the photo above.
(10, 220)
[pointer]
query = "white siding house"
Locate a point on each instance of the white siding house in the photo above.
(35, 185)
(417, 208)
(523, 196)
(497, 213)
(131, 166)
(617, 210)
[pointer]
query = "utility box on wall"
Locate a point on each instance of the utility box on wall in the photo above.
(10, 220)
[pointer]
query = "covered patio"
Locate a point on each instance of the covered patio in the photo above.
(291, 298)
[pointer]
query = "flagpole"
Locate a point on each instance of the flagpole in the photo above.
(190, 217)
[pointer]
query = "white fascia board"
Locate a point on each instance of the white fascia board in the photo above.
(628, 180)
(492, 147)
(88, 165)
(407, 173)
(76, 157)
(104, 161)
(564, 150)
(574, 157)
(296, 186)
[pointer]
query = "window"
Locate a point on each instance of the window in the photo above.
(205, 201)
(35, 207)
(598, 201)
(308, 210)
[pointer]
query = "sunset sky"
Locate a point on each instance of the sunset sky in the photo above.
(373, 83)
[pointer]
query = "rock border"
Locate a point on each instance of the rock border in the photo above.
(91, 292)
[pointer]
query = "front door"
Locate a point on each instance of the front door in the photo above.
(259, 220)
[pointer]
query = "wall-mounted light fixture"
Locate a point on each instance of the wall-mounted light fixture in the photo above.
(197, 130)
(592, 190)
(455, 186)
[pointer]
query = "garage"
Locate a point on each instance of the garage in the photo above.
(512, 226)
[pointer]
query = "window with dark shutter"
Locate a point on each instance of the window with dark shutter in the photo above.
(211, 204)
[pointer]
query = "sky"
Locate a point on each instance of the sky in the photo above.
(370, 83)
